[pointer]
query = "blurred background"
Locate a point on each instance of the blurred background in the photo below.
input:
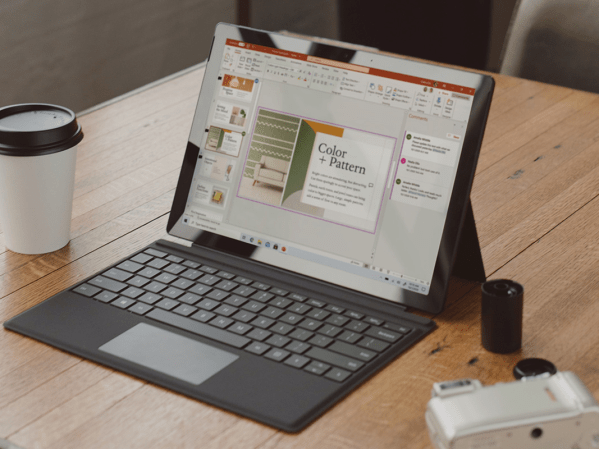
(79, 53)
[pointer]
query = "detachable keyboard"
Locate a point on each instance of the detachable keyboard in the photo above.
(280, 325)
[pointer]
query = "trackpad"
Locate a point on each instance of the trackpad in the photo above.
(169, 353)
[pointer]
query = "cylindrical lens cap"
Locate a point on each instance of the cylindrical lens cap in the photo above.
(501, 315)
(37, 129)
(533, 367)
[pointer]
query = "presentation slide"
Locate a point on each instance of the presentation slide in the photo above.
(216, 167)
(224, 141)
(237, 88)
(230, 114)
(210, 194)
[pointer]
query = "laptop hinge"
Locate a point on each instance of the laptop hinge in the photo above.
(178, 241)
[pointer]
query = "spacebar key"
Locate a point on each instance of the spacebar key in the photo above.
(334, 359)
(198, 328)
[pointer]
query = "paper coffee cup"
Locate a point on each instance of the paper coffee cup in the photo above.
(38, 150)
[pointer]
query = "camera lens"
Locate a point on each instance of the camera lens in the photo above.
(536, 433)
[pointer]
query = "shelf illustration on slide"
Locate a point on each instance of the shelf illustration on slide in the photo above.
(327, 171)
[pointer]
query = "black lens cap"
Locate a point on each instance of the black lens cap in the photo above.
(533, 367)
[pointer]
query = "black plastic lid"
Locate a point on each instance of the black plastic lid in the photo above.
(533, 367)
(502, 288)
(37, 129)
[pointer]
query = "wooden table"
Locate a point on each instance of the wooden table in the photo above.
(536, 202)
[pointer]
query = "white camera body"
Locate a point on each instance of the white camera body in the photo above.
(551, 412)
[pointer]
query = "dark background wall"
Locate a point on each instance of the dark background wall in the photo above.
(79, 53)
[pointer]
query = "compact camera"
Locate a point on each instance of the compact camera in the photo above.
(552, 412)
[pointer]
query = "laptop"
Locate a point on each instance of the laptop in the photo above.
(323, 192)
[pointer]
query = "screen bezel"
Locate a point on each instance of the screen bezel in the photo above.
(435, 300)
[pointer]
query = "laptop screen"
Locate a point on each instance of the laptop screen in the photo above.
(337, 163)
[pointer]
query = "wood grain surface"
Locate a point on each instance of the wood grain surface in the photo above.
(536, 202)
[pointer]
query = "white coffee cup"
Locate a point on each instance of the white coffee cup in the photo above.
(38, 150)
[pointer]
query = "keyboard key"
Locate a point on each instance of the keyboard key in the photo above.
(280, 302)
(291, 318)
(316, 303)
(174, 268)
(167, 304)
(330, 330)
(140, 308)
(165, 278)
(133, 292)
(155, 287)
(257, 348)
(209, 279)
(236, 301)
(155, 252)
(227, 285)
(298, 347)
(226, 310)
(278, 355)
(317, 367)
(373, 343)
(117, 275)
(297, 297)
(225, 275)
(122, 303)
(191, 264)
(149, 298)
(208, 304)
(272, 312)
(175, 259)
(279, 291)
(183, 284)
(189, 298)
(349, 336)
(398, 328)
(253, 306)
(221, 321)
(138, 281)
(282, 328)
(262, 296)
(357, 326)
(301, 334)
(278, 340)
(107, 284)
(354, 315)
(245, 316)
(105, 296)
(300, 308)
(383, 334)
(262, 322)
(203, 315)
(352, 351)
(240, 328)
(199, 328)
(185, 310)
(321, 341)
(191, 274)
(158, 263)
(260, 286)
(87, 290)
(259, 334)
(337, 375)
(374, 321)
(332, 358)
(297, 361)
(149, 272)
(242, 280)
(318, 314)
(244, 291)
(335, 309)
(209, 270)
(310, 324)
(139, 258)
(200, 289)
(337, 320)
(219, 295)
